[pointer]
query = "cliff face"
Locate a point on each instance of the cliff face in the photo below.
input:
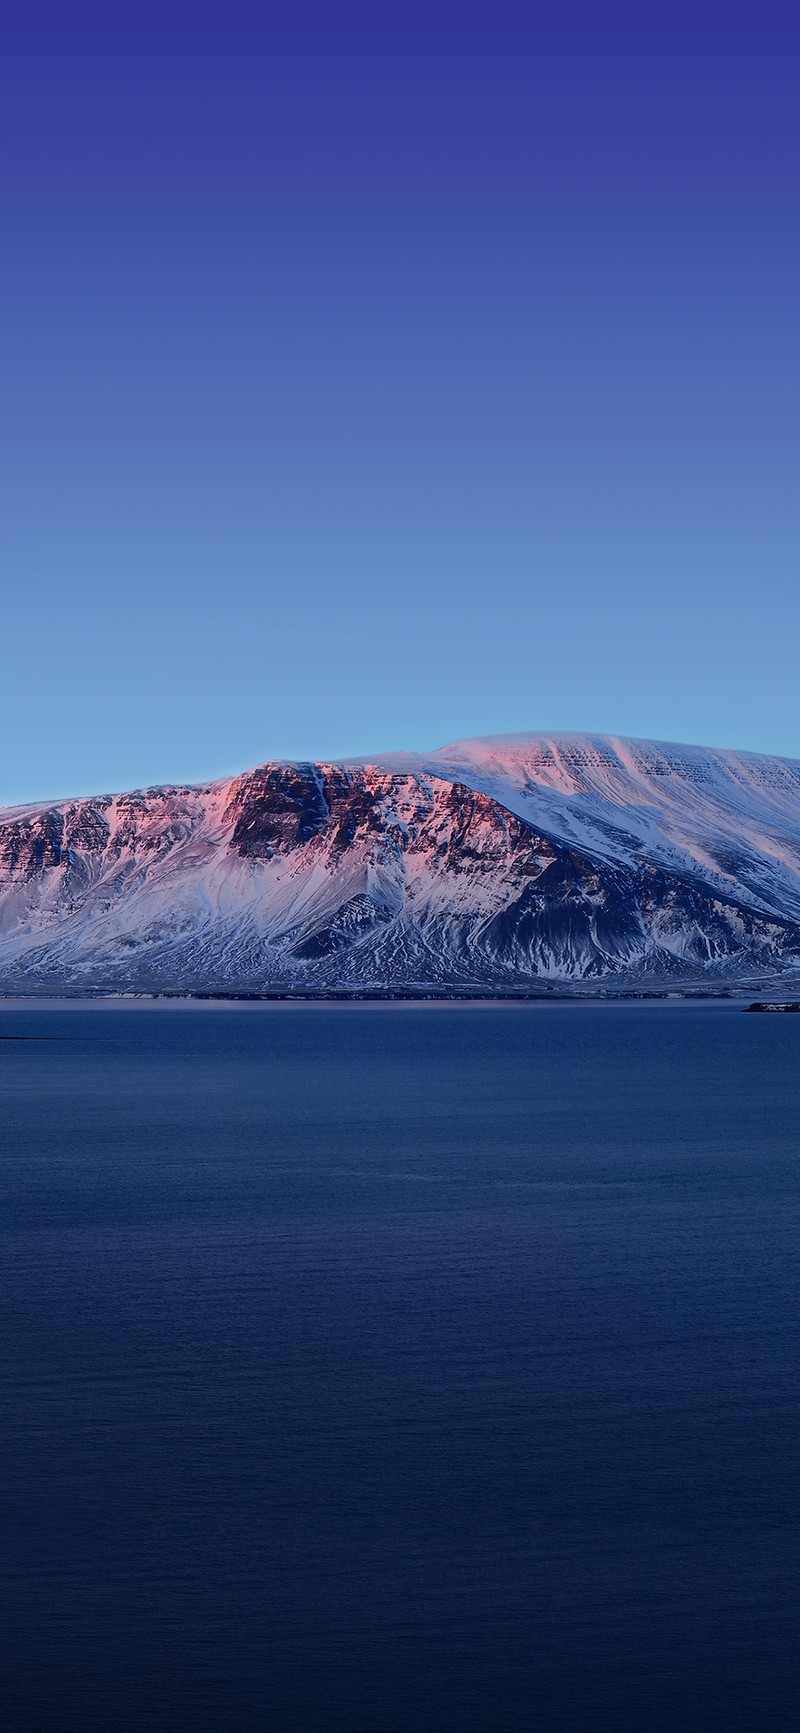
(492, 864)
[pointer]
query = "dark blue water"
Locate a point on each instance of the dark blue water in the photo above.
(395, 1369)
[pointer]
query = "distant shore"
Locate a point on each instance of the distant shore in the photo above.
(199, 999)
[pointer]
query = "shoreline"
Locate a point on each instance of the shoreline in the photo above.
(377, 1000)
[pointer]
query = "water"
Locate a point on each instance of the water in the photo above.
(400, 1369)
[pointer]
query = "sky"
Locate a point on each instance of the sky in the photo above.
(376, 375)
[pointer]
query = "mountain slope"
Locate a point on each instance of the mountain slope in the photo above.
(497, 863)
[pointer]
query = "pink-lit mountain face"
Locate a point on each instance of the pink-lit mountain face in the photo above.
(499, 864)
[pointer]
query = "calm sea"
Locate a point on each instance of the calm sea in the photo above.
(400, 1369)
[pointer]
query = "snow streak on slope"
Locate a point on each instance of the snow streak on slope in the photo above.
(494, 863)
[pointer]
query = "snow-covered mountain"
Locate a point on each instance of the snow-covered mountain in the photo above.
(499, 863)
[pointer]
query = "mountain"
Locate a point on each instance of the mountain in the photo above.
(513, 862)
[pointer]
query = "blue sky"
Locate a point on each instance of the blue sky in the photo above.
(374, 376)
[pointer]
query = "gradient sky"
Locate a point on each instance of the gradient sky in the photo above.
(374, 375)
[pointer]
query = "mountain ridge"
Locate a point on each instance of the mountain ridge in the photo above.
(495, 863)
